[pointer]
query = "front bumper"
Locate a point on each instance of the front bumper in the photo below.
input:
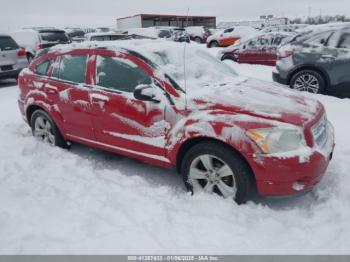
(289, 176)
(277, 78)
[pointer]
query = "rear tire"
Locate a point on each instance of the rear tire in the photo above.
(229, 57)
(198, 40)
(46, 130)
(308, 81)
(215, 168)
(30, 57)
(213, 44)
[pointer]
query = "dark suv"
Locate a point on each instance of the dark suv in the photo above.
(317, 60)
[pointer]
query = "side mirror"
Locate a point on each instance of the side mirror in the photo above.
(146, 93)
(244, 46)
(323, 41)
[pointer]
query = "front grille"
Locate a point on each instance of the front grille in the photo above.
(319, 131)
(6, 68)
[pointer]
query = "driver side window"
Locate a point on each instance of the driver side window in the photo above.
(119, 74)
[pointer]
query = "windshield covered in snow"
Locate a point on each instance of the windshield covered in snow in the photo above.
(196, 65)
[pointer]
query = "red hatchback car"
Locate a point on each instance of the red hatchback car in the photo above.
(261, 49)
(224, 133)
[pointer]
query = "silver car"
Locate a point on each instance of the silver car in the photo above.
(12, 58)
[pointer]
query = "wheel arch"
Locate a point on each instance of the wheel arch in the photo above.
(185, 146)
(317, 69)
(213, 41)
(55, 116)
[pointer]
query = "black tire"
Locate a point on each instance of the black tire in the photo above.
(228, 57)
(321, 82)
(241, 171)
(30, 57)
(198, 40)
(213, 44)
(58, 138)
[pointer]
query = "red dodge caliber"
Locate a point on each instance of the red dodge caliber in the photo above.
(224, 133)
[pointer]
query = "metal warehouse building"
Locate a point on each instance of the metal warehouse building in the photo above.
(148, 20)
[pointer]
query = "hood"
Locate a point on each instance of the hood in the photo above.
(258, 99)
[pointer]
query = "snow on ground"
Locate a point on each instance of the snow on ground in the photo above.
(54, 201)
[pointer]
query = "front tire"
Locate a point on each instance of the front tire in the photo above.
(46, 130)
(308, 81)
(215, 168)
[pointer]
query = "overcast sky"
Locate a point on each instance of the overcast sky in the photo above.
(19, 13)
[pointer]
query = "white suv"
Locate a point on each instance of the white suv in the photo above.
(12, 57)
(35, 39)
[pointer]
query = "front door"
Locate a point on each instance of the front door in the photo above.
(130, 125)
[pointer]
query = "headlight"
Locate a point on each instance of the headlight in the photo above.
(277, 140)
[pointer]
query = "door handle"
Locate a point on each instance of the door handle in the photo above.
(328, 57)
(50, 89)
(99, 97)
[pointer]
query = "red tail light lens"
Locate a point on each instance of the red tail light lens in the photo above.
(40, 46)
(285, 53)
(21, 53)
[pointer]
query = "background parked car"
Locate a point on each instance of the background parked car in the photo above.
(110, 36)
(34, 39)
(283, 28)
(104, 36)
(176, 34)
(75, 34)
(317, 60)
(12, 58)
(229, 36)
(198, 34)
(260, 49)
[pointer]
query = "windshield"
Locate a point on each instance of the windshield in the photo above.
(76, 33)
(54, 36)
(200, 69)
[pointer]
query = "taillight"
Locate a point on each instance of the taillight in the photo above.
(40, 46)
(21, 53)
(284, 53)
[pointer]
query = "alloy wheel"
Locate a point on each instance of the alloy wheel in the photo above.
(212, 175)
(43, 130)
(308, 83)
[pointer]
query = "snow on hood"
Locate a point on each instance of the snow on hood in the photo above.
(256, 97)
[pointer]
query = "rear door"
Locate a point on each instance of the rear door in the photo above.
(337, 62)
(8, 53)
(249, 53)
(119, 120)
(68, 86)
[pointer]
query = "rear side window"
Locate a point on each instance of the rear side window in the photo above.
(54, 36)
(42, 68)
(277, 40)
(117, 74)
(320, 38)
(7, 43)
(344, 41)
(71, 68)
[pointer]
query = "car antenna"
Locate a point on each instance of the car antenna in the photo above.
(184, 57)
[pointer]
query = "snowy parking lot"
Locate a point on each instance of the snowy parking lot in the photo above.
(93, 202)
